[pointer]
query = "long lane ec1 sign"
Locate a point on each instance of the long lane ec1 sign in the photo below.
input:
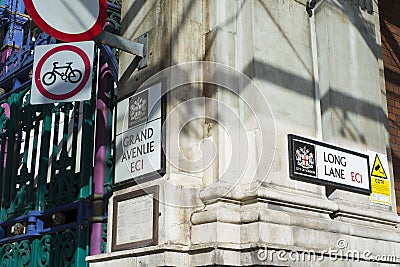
(321, 163)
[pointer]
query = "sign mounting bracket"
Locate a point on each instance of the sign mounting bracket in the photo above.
(139, 49)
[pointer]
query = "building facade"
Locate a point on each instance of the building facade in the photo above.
(250, 133)
(319, 73)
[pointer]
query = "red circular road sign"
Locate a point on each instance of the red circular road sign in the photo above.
(69, 21)
(74, 91)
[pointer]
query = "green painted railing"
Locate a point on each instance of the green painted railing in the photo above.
(47, 151)
(46, 166)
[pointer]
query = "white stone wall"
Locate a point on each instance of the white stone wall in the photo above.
(322, 78)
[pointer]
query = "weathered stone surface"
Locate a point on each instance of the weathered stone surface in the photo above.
(321, 77)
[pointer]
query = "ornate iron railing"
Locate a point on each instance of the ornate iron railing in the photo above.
(46, 180)
(45, 154)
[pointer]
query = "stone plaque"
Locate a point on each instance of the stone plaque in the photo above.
(135, 219)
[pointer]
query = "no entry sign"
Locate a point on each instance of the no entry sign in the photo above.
(62, 72)
(69, 20)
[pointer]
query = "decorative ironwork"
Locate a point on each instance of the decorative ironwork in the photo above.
(45, 250)
(115, 2)
(64, 186)
(16, 254)
(46, 154)
(113, 22)
(15, 70)
(63, 252)
(50, 250)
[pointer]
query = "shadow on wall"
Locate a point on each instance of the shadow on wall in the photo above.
(342, 102)
(353, 10)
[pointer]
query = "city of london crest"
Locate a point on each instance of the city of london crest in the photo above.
(304, 157)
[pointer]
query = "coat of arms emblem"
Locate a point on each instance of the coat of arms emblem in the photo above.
(304, 158)
(138, 109)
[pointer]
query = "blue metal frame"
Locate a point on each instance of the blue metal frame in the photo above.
(35, 221)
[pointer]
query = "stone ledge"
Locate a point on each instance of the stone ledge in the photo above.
(318, 205)
(227, 254)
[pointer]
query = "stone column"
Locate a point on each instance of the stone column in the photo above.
(318, 77)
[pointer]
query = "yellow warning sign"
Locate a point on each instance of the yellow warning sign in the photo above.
(377, 169)
(380, 189)
(380, 179)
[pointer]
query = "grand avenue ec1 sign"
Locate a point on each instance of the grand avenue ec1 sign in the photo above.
(139, 135)
(69, 20)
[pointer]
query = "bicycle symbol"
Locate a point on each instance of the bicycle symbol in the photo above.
(67, 74)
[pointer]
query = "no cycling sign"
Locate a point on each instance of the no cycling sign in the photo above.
(62, 72)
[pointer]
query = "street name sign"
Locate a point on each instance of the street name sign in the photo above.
(322, 163)
(139, 135)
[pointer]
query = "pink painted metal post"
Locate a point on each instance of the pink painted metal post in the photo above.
(100, 152)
